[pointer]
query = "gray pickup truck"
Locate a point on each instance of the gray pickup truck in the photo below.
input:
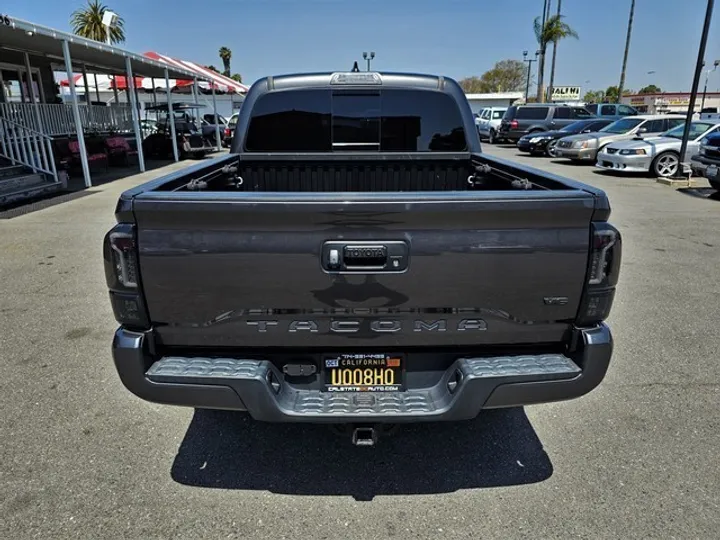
(356, 259)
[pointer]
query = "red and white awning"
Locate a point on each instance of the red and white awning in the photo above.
(220, 82)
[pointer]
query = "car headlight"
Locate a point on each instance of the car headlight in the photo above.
(633, 152)
(537, 139)
(581, 144)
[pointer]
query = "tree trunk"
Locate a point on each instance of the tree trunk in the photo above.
(627, 49)
(541, 76)
(552, 66)
(543, 50)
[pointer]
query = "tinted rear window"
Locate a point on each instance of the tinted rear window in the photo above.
(390, 120)
(592, 108)
(531, 113)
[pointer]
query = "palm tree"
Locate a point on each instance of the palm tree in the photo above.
(554, 30)
(225, 56)
(87, 22)
(627, 49)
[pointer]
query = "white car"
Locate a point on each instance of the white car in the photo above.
(489, 122)
(658, 155)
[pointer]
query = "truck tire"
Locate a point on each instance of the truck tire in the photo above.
(665, 165)
(715, 184)
(492, 137)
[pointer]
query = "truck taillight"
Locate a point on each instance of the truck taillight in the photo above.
(228, 132)
(122, 276)
(514, 124)
(602, 275)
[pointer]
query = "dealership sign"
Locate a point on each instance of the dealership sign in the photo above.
(565, 93)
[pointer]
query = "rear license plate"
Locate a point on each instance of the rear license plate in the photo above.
(711, 171)
(359, 372)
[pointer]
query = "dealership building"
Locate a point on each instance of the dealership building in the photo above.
(677, 102)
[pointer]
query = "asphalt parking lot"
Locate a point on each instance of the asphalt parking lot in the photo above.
(83, 458)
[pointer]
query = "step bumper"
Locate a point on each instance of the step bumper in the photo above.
(465, 388)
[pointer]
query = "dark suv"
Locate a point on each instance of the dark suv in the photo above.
(519, 120)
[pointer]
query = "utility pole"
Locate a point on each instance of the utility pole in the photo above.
(529, 62)
(627, 49)
(368, 58)
(693, 92)
(552, 66)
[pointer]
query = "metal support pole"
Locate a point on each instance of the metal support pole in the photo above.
(198, 124)
(76, 114)
(87, 87)
(28, 78)
(41, 87)
(154, 90)
(22, 88)
(696, 83)
(3, 98)
(171, 117)
(115, 90)
(218, 142)
(135, 115)
(527, 83)
(97, 89)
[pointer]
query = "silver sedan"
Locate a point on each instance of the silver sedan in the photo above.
(658, 155)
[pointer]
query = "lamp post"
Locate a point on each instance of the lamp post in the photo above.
(368, 57)
(707, 76)
(529, 62)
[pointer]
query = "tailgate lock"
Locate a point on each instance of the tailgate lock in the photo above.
(365, 257)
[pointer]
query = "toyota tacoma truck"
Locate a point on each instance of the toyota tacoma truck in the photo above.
(356, 259)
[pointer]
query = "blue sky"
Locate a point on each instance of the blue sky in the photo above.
(456, 38)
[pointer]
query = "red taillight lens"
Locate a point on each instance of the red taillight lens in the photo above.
(122, 275)
(602, 276)
(514, 124)
(227, 132)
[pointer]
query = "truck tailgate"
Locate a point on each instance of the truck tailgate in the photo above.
(245, 269)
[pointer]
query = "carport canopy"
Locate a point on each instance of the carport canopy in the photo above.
(36, 39)
(30, 38)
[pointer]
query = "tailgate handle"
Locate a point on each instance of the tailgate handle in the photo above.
(365, 257)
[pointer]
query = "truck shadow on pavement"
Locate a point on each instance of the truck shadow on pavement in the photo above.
(231, 451)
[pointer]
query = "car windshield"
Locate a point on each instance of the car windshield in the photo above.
(576, 126)
(497, 115)
(622, 126)
(696, 129)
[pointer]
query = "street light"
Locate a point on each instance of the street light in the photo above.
(707, 75)
(529, 61)
(109, 20)
(368, 58)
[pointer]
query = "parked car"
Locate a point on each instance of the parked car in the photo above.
(614, 111)
(229, 130)
(368, 224)
(707, 161)
(489, 124)
(657, 155)
(585, 147)
(519, 120)
(543, 142)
